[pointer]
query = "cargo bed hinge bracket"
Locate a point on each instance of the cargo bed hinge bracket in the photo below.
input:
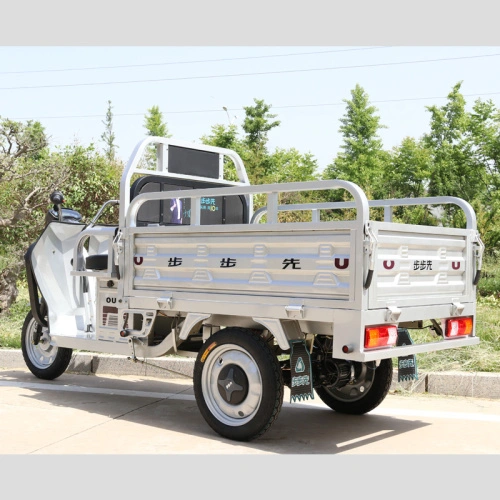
(392, 313)
(456, 308)
(165, 302)
(295, 311)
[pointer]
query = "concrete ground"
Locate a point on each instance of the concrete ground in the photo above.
(141, 415)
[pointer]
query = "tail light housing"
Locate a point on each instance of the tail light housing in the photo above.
(380, 336)
(458, 327)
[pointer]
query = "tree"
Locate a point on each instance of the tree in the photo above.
(252, 148)
(223, 137)
(456, 167)
(362, 159)
(108, 136)
(226, 137)
(154, 124)
(27, 175)
(408, 170)
(156, 127)
(483, 136)
(94, 179)
(407, 174)
(283, 165)
(290, 165)
(256, 125)
(29, 172)
(452, 150)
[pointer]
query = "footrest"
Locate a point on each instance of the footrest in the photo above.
(407, 365)
(300, 366)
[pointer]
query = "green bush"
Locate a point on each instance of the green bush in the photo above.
(11, 322)
(489, 284)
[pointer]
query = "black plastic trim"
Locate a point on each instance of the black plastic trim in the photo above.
(35, 302)
(369, 277)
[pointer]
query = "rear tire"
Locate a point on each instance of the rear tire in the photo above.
(44, 360)
(368, 389)
(238, 384)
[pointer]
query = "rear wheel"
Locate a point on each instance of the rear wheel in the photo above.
(44, 360)
(238, 384)
(363, 393)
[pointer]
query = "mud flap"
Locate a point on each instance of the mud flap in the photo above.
(407, 365)
(301, 387)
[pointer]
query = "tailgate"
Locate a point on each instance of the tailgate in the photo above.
(421, 265)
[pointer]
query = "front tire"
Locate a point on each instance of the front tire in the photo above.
(369, 388)
(44, 360)
(238, 384)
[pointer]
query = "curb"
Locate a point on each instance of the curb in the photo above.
(465, 384)
(86, 363)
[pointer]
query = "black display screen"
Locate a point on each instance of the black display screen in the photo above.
(193, 162)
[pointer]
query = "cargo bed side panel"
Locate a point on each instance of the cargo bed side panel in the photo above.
(301, 264)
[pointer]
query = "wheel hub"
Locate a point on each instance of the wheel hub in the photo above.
(44, 342)
(232, 384)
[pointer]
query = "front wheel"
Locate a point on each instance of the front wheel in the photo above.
(44, 360)
(366, 391)
(238, 384)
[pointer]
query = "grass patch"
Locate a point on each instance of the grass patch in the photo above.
(11, 323)
(484, 357)
(489, 284)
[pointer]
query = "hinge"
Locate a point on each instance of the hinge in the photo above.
(456, 309)
(392, 313)
(165, 303)
(295, 311)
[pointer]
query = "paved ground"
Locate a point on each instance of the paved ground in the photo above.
(101, 429)
(139, 415)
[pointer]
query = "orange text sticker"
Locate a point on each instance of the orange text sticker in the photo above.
(207, 352)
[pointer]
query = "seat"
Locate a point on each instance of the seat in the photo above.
(98, 262)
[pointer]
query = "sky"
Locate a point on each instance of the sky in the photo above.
(67, 88)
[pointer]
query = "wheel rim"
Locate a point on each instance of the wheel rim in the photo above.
(358, 387)
(43, 354)
(232, 385)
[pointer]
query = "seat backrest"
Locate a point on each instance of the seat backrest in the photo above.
(214, 210)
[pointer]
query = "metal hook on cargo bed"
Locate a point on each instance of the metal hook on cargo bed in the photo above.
(118, 249)
(478, 251)
(369, 244)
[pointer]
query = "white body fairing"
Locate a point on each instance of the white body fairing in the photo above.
(51, 260)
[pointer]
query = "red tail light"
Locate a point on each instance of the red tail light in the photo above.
(380, 336)
(459, 327)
